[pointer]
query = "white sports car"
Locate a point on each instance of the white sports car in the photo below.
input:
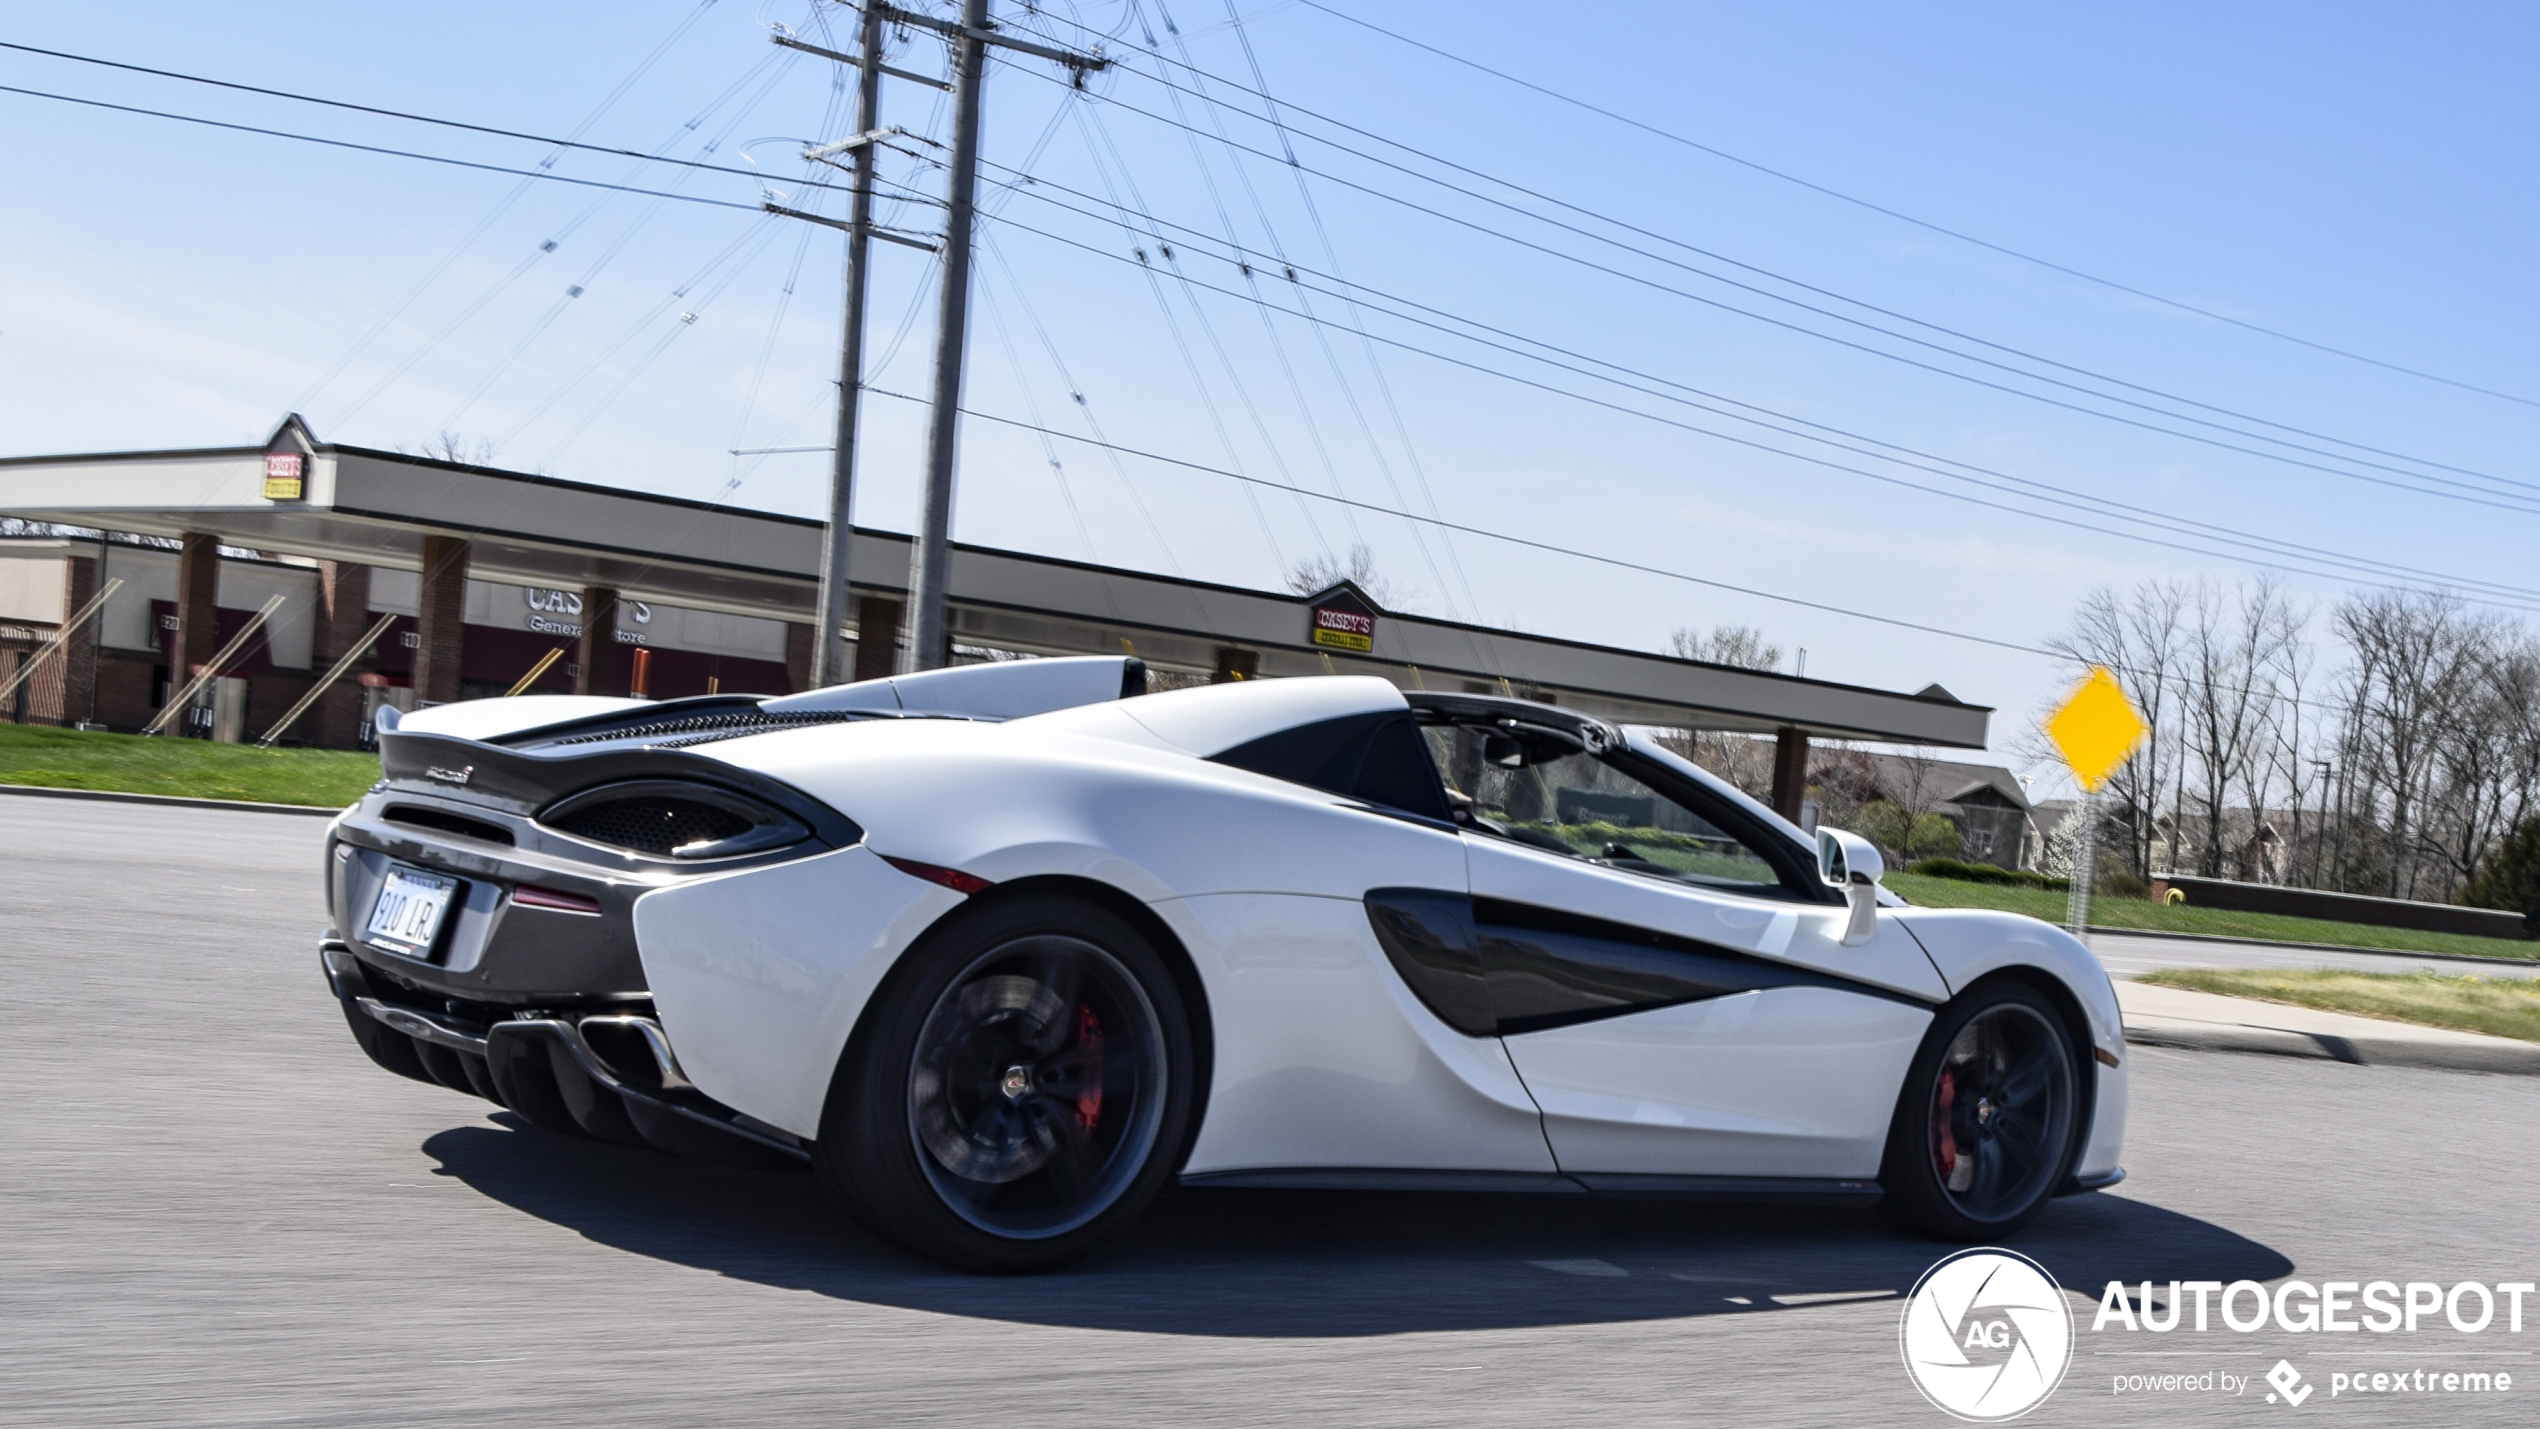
(997, 950)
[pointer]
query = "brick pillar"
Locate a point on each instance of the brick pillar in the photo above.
(798, 643)
(1234, 664)
(197, 607)
(595, 651)
(441, 620)
(877, 638)
(64, 694)
(344, 616)
(1790, 772)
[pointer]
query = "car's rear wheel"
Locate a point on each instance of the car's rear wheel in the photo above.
(1985, 1126)
(1020, 1090)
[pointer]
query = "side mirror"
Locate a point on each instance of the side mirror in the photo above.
(1852, 863)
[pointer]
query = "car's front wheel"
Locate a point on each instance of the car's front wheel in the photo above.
(1985, 1125)
(1020, 1091)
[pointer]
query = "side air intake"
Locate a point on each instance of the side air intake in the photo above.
(674, 819)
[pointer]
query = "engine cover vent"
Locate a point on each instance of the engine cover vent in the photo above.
(669, 819)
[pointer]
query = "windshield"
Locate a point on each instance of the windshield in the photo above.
(1541, 789)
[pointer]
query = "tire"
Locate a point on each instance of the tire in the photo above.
(1987, 1122)
(1019, 1093)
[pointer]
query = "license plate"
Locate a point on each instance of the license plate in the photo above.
(408, 915)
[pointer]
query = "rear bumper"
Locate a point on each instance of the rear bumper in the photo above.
(608, 1074)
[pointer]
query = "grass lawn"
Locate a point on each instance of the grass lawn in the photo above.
(2497, 1006)
(2146, 916)
(193, 768)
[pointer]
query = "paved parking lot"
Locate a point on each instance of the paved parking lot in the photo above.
(217, 1212)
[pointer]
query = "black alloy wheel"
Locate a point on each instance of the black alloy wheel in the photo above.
(1020, 1092)
(1985, 1129)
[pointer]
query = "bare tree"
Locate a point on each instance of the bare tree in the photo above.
(2289, 744)
(2140, 635)
(1742, 646)
(1321, 573)
(1915, 784)
(2227, 699)
(2481, 785)
(456, 446)
(2417, 660)
(1742, 759)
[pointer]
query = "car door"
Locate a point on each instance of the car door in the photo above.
(1677, 1002)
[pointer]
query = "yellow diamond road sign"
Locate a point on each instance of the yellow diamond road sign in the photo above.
(2096, 729)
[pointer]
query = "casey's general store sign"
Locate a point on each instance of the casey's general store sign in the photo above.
(1342, 621)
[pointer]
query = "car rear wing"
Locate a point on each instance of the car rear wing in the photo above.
(999, 690)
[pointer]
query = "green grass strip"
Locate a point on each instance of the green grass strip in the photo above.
(2142, 915)
(189, 768)
(2497, 1006)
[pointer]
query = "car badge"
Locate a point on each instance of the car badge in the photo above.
(449, 776)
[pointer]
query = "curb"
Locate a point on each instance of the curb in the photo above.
(2096, 930)
(2519, 1059)
(113, 796)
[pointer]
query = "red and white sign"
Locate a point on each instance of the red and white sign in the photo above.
(284, 473)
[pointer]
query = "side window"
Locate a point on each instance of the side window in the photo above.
(1375, 757)
(1576, 804)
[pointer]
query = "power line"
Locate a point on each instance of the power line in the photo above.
(1759, 292)
(1660, 237)
(1384, 385)
(2055, 494)
(1278, 348)
(660, 195)
(1925, 224)
(1173, 324)
(1076, 392)
(1972, 379)
(1575, 553)
(433, 275)
(1526, 541)
(721, 204)
(408, 153)
(1208, 329)
(1748, 442)
(573, 292)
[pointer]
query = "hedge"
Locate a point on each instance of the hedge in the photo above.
(1986, 873)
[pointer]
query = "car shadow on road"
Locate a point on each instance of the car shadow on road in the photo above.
(1264, 1263)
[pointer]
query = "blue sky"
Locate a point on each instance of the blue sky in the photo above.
(2356, 176)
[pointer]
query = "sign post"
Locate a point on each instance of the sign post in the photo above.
(2096, 730)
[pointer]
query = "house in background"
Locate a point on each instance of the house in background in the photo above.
(1985, 803)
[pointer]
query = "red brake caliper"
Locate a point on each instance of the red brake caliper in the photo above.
(1089, 1068)
(1945, 1145)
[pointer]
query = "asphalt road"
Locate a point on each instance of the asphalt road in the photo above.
(214, 1211)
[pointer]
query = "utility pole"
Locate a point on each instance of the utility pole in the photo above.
(929, 630)
(829, 663)
(929, 640)
(970, 37)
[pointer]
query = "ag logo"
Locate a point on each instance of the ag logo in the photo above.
(1987, 1335)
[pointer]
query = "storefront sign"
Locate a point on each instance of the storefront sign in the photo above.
(285, 476)
(1341, 621)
